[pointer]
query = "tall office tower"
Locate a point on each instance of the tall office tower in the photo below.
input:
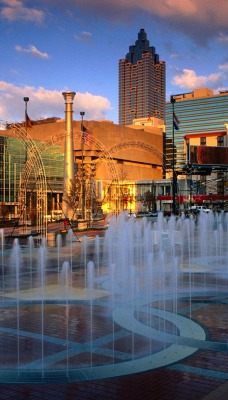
(141, 83)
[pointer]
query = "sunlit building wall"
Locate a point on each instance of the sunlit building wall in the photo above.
(130, 151)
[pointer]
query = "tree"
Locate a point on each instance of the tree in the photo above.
(74, 196)
(149, 201)
(123, 197)
(4, 210)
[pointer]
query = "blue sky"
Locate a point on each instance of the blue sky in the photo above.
(49, 46)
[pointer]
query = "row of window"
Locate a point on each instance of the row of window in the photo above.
(203, 141)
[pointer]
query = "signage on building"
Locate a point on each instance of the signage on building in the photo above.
(208, 155)
(177, 97)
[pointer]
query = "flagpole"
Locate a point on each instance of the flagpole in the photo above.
(173, 160)
(26, 100)
(82, 113)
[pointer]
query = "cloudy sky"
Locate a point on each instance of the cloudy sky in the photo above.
(49, 46)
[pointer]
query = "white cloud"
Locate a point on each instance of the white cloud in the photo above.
(223, 39)
(31, 50)
(198, 10)
(83, 36)
(198, 19)
(174, 56)
(187, 79)
(224, 67)
(14, 10)
(47, 103)
(12, 3)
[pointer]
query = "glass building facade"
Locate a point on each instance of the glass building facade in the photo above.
(12, 163)
(142, 83)
(200, 112)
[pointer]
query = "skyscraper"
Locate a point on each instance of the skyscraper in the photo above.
(142, 82)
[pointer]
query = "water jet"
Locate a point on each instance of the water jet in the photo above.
(111, 306)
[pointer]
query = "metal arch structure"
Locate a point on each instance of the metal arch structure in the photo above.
(34, 164)
(93, 144)
(140, 145)
(143, 146)
(104, 153)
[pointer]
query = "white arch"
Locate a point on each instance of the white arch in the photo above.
(141, 145)
(93, 143)
(34, 163)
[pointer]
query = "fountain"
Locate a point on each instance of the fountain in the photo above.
(113, 306)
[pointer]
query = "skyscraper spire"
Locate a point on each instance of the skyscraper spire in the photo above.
(141, 82)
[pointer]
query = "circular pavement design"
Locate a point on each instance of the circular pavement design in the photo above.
(190, 337)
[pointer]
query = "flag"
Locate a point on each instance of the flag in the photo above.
(175, 122)
(86, 135)
(28, 122)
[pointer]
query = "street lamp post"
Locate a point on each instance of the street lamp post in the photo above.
(26, 100)
(82, 113)
(173, 160)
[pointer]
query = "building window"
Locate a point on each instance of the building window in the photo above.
(220, 140)
(202, 141)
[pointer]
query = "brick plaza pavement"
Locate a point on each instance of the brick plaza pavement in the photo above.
(200, 376)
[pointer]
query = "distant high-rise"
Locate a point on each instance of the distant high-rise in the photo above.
(142, 83)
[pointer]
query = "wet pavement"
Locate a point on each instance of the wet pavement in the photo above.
(198, 374)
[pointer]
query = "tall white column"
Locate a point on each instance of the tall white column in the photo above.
(68, 154)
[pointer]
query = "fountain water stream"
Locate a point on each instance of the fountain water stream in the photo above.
(110, 306)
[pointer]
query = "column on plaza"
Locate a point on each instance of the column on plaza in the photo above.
(68, 154)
